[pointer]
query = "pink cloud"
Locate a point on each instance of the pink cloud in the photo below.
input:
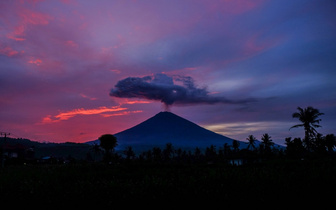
(37, 61)
(72, 113)
(34, 18)
(137, 102)
(130, 101)
(122, 113)
(26, 19)
(117, 71)
(88, 97)
(8, 51)
(71, 43)
(255, 44)
(17, 34)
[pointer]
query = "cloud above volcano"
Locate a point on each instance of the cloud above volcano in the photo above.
(170, 90)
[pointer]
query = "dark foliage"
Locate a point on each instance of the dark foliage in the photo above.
(108, 142)
(260, 175)
(277, 182)
(309, 118)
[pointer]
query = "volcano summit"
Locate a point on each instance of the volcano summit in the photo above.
(166, 127)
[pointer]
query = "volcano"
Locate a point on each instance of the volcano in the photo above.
(166, 127)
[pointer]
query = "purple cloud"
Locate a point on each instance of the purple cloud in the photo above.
(166, 89)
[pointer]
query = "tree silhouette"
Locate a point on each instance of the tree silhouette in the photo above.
(197, 153)
(310, 120)
(157, 154)
(319, 145)
(251, 141)
(129, 153)
(235, 145)
(210, 153)
(179, 153)
(148, 155)
(108, 142)
(96, 151)
(227, 149)
(168, 151)
(294, 147)
(267, 142)
(330, 142)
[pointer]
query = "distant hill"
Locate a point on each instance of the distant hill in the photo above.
(166, 127)
(67, 149)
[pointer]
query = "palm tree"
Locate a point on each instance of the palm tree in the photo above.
(309, 118)
(294, 147)
(251, 140)
(267, 141)
(235, 145)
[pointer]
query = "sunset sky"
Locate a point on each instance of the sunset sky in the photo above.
(254, 61)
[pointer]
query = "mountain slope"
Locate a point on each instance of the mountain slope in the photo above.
(166, 127)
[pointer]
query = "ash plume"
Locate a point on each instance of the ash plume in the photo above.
(177, 90)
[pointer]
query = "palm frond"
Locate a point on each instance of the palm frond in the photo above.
(316, 126)
(296, 115)
(300, 109)
(296, 126)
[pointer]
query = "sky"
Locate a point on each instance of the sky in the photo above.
(236, 67)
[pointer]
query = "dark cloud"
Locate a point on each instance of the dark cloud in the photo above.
(179, 90)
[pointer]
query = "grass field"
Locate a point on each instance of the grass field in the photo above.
(100, 185)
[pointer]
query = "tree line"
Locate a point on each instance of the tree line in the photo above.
(313, 144)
